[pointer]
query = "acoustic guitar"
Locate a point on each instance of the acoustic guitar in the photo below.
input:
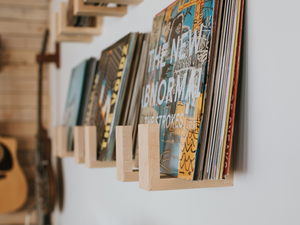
(44, 177)
(13, 184)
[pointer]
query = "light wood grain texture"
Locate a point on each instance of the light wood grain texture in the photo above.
(123, 2)
(25, 3)
(26, 158)
(29, 171)
(79, 144)
(90, 137)
(26, 143)
(67, 30)
(22, 28)
(149, 170)
(21, 86)
(125, 173)
(22, 25)
(18, 129)
(80, 9)
(22, 71)
(24, 14)
(70, 38)
(13, 186)
(19, 56)
(14, 42)
(22, 115)
(19, 216)
(16, 100)
(31, 186)
(61, 141)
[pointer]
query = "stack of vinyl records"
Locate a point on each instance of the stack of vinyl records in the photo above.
(184, 77)
(190, 88)
(108, 94)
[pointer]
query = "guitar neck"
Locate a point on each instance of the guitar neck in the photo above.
(40, 91)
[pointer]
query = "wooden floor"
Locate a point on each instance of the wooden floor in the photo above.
(22, 25)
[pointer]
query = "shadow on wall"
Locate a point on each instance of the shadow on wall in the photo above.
(240, 137)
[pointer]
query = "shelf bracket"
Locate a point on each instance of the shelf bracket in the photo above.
(51, 57)
(125, 173)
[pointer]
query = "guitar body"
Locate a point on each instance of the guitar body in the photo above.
(13, 184)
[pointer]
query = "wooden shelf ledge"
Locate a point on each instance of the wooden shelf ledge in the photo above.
(60, 142)
(90, 136)
(64, 29)
(123, 2)
(125, 173)
(79, 144)
(150, 178)
(69, 38)
(80, 9)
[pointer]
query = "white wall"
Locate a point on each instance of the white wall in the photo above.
(266, 184)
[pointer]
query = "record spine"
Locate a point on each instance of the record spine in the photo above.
(233, 100)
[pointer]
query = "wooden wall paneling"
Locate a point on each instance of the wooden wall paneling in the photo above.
(24, 14)
(80, 9)
(23, 115)
(26, 143)
(123, 2)
(125, 172)
(25, 3)
(29, 171)
(149, 161)
(68, 30)
(26, 158)
(22, 86)
(18, 71)
(22, 25)
(69, 38)
(31, 186)
(19, 56)
(18, 129)
(24, 100)
(22, 28)
(11, 42)
(19, 216)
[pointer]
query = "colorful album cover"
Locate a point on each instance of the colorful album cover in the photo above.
(173, 91)
(74, 101)
(112, 87)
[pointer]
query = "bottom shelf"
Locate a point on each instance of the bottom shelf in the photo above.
(149, 175)
(150, 178)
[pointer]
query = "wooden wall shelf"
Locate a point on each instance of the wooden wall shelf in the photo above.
(150, 178)
(123, 2)
(79, 148)
(60, 141)
(124, 146)
(90, 136)
(80, 9)
(69, 30)
(69, 38)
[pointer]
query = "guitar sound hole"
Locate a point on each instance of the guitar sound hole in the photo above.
(6, 162)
